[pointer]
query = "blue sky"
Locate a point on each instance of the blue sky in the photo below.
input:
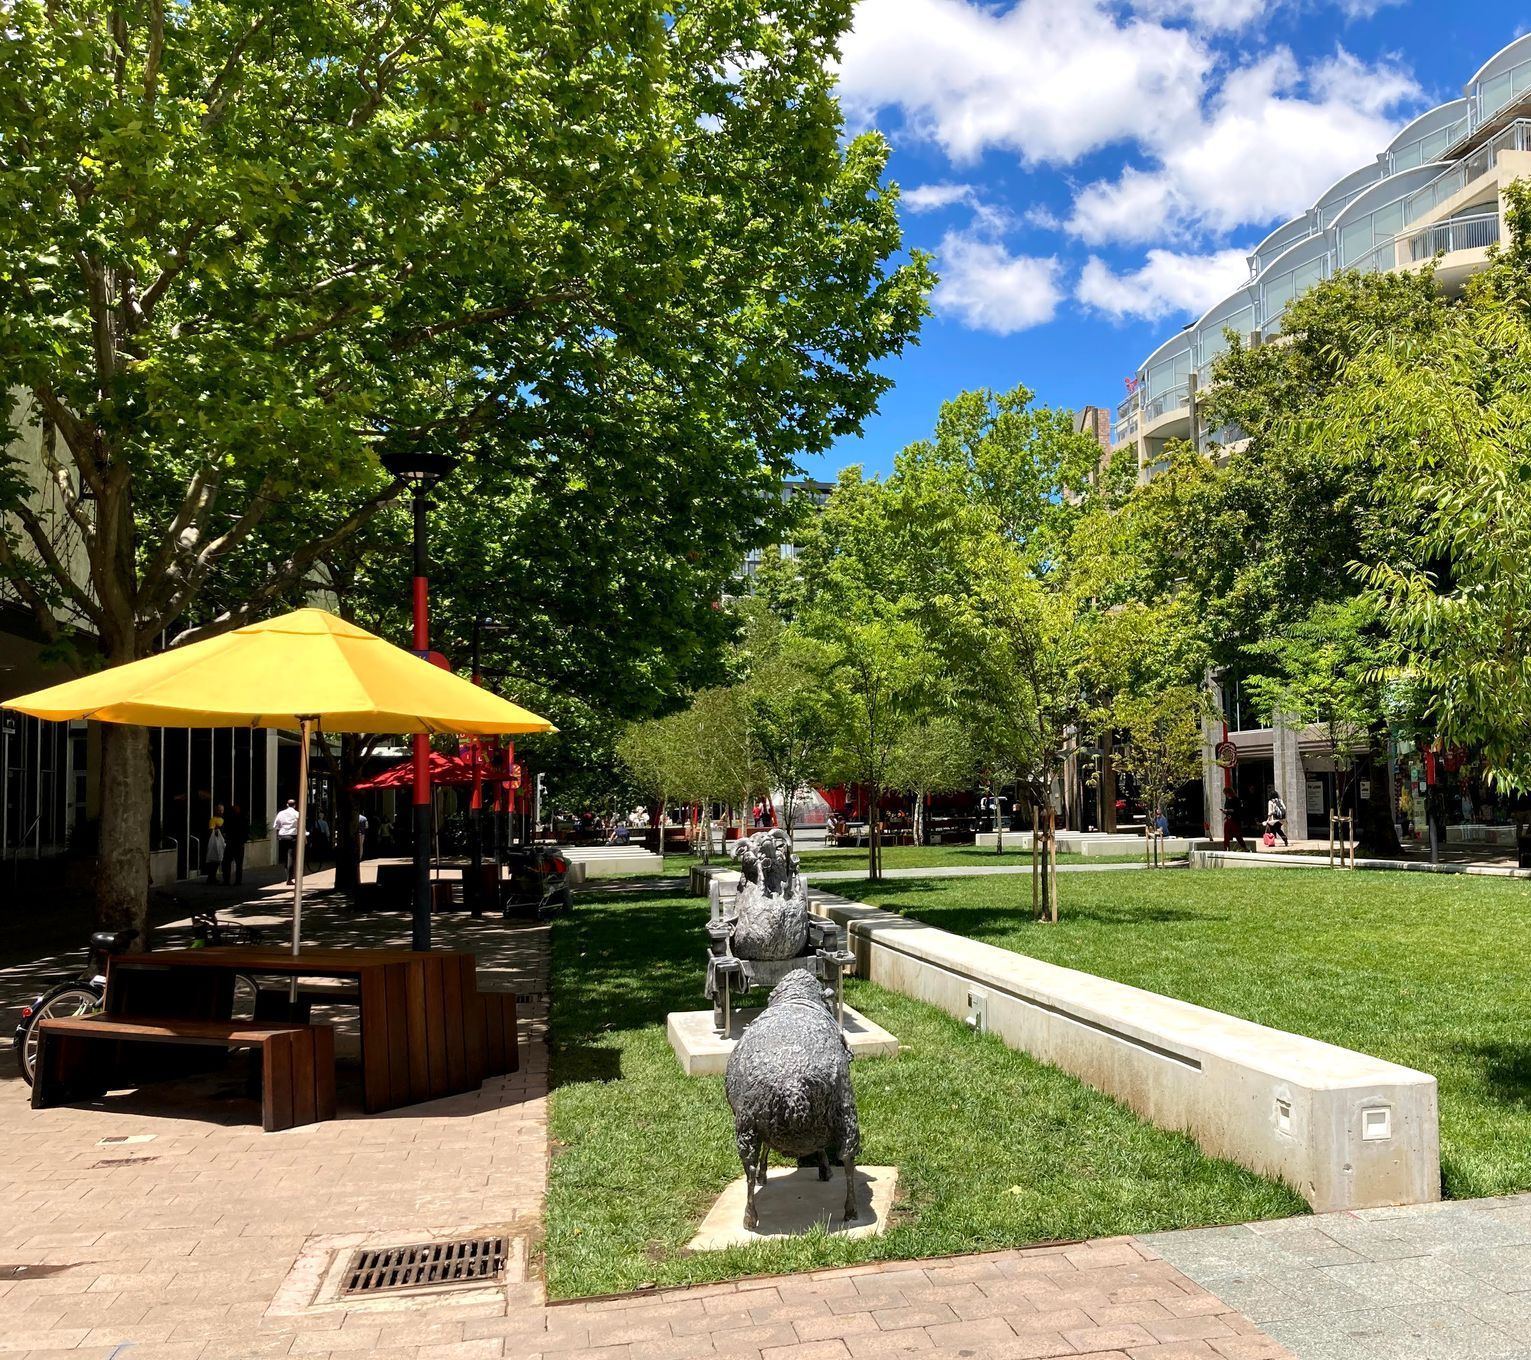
(1087, 174)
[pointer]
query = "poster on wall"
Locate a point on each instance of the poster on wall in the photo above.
(1315, 797)
(1366, 790)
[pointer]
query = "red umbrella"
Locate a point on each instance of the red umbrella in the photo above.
(454, 770)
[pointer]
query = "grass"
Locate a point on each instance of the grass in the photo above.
(1428, 971)
(911, 857)
(993, 1148)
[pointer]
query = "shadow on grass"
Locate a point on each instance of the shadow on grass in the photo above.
(620, 962)
(1506, 1069)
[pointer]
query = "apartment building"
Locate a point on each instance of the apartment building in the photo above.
(1435, 193)
(1437, 190)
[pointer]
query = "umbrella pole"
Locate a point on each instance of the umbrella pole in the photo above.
(307, 725)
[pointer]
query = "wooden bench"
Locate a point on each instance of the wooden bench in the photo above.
(79, 1058)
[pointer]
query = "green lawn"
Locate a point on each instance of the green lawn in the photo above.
(1429, 971)
(994, 1149)
(911, 857)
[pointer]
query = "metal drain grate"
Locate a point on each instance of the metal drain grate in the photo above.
(468, 1260)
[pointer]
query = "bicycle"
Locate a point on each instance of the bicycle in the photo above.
(80, 995)
(85, 994)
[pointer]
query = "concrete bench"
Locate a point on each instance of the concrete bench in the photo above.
(596, 860)
(1087, 843)
(1344, 1129)
(79, 1058)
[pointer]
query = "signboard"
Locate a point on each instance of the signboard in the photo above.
(1366, 789)
(1315, 797)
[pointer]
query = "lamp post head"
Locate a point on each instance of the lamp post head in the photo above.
(421, 470)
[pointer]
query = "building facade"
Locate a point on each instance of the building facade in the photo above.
(49, 791)
(1436, 193)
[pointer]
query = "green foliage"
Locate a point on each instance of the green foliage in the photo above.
(1164, 740)
(1326, 672)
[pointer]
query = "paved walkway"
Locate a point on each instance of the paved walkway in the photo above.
(203, 1238)
(1433, 1282)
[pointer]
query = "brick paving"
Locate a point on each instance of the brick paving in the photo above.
(210, 1239)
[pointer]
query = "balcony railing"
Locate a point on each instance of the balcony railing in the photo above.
(1479, 161)
(1378, 260)
(1425, 149)
(1493, 94)
(1459, 233)
(1173, 399)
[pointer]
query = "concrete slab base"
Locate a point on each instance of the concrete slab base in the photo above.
(703, 1052)
(795, 1200)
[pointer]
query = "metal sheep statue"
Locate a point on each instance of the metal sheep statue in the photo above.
(789, 1085)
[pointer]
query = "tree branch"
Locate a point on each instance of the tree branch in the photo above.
(38, 534)
(180, 539)
(216, 96)
(290, 572)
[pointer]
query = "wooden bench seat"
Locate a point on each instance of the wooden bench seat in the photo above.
(81, 1057)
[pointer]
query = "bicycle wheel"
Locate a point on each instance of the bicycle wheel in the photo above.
(67, 999)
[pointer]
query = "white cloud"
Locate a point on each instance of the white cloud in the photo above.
(989, 289)
(928, 197)
(990, 218)
(1273, 139)
(1169, 283)
(1211, 15)
(1048, 79)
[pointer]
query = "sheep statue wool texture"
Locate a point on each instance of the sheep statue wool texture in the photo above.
(789, 1085)
(771, 905)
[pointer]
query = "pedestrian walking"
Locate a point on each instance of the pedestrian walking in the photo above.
(286, 824)
(361, 836)
(1233, 819)
(212, 855)
(1275, 819)
(319, 840)
(236, 833)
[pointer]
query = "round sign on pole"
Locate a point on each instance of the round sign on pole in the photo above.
(1227, 755)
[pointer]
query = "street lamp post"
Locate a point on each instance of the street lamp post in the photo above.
(421, 471)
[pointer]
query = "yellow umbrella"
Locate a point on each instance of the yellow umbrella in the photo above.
(301, 670)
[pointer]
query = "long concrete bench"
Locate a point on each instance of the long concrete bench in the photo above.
(1087, 843)
(1344, 1129)
(592, 861)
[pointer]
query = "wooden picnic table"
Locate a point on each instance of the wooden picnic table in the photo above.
(426, 1029)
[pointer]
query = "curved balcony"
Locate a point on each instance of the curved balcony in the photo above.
(1475, 231)
(1516, 137)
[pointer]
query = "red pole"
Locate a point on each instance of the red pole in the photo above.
(421, 924)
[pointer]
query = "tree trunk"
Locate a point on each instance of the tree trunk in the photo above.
(1107, 783)
(122, 873)
(1036, 900)
(874, 862)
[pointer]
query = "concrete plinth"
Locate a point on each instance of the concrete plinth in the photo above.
(703, 1052)
(794, 1200)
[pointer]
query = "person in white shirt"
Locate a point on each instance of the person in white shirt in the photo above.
(286, 824)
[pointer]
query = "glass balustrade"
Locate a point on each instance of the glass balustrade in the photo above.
(1458, 233)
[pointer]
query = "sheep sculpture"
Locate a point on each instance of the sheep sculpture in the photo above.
(771, 905)
(789, 1086)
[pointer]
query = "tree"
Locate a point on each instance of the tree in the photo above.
(934, 756)
(617, 255)
(1450, 414)
(881, 685)
(788, 704)
(1326, 673)
(1163, 748)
